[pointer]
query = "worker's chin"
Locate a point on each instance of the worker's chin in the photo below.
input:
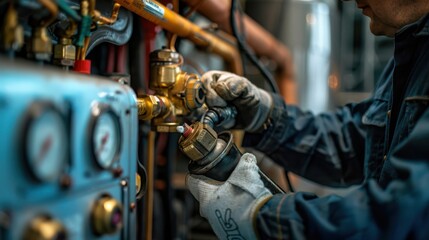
(380, 29)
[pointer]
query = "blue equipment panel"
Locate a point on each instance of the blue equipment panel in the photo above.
(68, 154)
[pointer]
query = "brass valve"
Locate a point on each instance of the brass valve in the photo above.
(41, 44)
(177, 93)
(12, 31)
(45, 228)
(107, 216)
(152, 106)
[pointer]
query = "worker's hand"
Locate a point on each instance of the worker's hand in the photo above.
(253, 104)
(231, 206)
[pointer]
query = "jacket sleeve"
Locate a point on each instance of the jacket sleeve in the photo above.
(306, 144)
(398, 211)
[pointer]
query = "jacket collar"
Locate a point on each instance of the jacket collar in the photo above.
(418, 28)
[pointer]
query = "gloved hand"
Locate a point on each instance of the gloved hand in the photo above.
(231, 206)
(253, 104)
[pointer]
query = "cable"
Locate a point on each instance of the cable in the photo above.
(241, 40)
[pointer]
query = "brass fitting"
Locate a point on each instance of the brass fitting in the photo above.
(13, 32)
(64, 52)
(107, 216)
(41, 44)
(197, 140)
(101, 20)
(211, 154)
(152, 106)
(44, 228)
(177, 93)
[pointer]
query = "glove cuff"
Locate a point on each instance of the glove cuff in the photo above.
(255, 209)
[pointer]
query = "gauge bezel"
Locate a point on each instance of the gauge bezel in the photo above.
(35, 110)
(97, 111)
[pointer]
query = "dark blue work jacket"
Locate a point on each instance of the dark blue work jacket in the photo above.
(381, 143)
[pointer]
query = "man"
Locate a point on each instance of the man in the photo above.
(381, 143)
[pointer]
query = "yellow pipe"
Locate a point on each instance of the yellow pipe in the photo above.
(174, 23)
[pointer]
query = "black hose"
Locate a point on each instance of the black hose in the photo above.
(241, 40)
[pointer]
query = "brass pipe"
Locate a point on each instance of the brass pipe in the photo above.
(84, 10)
(172, 42)
(174, 23)
(12, 32)
(85, 47)
(150, 168)
(91, 7)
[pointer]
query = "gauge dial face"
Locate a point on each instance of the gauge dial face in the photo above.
(46, 144)
(106, 139)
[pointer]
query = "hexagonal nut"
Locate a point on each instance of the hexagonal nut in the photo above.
(207, 138)
(148, 107)
(199, 143)
(64, 52)
(41, 42)
(40, 45)
(193, 152)
(164, 55)
(195, 94)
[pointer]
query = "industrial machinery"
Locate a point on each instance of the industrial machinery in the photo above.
(91, 95)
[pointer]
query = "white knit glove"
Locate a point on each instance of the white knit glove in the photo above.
(231, 206)
(253, 104)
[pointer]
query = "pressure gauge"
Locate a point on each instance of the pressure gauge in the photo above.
(105, 135)
(45, 141)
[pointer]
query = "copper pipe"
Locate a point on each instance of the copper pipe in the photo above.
(172, 42)
(105, 20)
(85, 47)
(150, 168)
(260, 40)
(174, 23)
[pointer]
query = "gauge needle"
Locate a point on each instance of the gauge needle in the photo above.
(46, 145)
(103, 142)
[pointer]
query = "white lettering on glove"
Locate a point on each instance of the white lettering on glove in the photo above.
(230, 206)
(228, 224)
